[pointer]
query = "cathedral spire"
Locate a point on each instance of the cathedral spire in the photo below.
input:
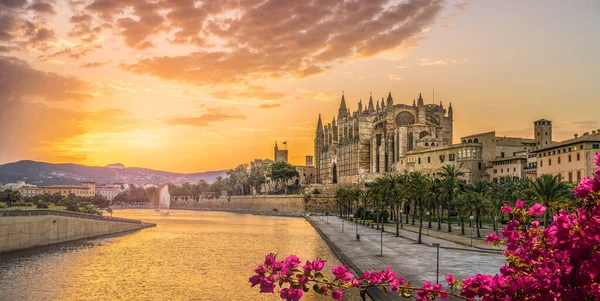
(319, 125)
(414, 103)
(450, 113)
(360, 107)
(390, 101)
(382, 103)
(343, 110)
(371, 107)
(420, 101)
(378, 107)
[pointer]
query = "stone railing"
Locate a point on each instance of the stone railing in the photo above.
(34, 212)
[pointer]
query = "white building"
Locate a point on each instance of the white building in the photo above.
(108, 192)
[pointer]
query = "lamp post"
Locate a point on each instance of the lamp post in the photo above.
(437, 269)
(427, 213)
(401, 224)
(356, 222)
(381, 242)
(471, 218)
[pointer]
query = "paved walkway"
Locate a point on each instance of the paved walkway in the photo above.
(415, 262)
(412, 232)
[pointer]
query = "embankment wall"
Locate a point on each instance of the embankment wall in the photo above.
(260, 203)
(24, 232)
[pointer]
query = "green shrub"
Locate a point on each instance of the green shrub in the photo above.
(21, 203)
(42, 205)
(72, 205)
(3, 205)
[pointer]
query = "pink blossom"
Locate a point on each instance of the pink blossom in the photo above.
(536, 209)
(506, 209)
(342, 273)
(492, 237)
(584, 188)
(337, 295)
(597, 161)
(290, 294)
(520, 204)
(450, 279)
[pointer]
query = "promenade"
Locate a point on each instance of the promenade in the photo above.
(415, 262)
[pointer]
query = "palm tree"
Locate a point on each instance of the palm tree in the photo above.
(462, 206)
(548, 189)
(418, 191)
(450, 180)
(480, 201)
(390, 188)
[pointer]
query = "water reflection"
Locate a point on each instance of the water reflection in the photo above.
(190, 255)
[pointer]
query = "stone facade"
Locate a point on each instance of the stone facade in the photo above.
(572, 159)
(375, 138)
(357, 147)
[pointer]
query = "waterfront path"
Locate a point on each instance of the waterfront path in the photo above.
(415, 262)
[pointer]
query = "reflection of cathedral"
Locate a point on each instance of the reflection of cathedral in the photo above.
(376, 138)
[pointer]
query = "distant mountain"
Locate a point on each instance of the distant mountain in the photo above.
(116, 165)
(41, 173)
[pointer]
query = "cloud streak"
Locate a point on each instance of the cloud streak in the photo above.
(210, 116)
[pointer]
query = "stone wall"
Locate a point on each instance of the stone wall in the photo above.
(262, 204)
(24, 232)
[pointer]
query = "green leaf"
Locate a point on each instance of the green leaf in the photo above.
(319, 275)
(305, 288)
(280, 282)
(317, 289)
(385, 290)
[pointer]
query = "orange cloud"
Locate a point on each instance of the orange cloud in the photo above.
(238, 42)
(211, 115)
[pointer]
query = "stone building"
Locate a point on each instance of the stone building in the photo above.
(375, 138)
(571, 160)
(386, 137)
(281, 155)
(86, 189)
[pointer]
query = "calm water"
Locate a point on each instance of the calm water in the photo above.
(190, 255)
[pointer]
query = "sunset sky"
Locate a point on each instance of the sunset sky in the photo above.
(192, 86)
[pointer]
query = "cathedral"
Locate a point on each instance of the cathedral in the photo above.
(377, 138)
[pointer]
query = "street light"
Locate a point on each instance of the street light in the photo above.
(427, 213)
(437, 269)
(401, 224)
(381, 241)
(471, 218)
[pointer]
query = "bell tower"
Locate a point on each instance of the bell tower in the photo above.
(542, 131)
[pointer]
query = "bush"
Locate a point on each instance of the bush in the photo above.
(21, 203)
(42, 205)
(72, 205)
(91, 209)
(3, 205)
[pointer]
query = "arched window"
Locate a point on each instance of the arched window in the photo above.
(423, 134)
(470, 141)
(464, 141)
(476, 140)
(426, 144)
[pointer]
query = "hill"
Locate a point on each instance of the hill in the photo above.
(42, 173)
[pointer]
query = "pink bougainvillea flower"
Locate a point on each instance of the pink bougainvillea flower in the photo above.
(450, 279)
(342, 273)
(291, 294)
(337, 295)
(584, 188)
(536, 209)
(520, 204)
(492, 237)
(506, 209)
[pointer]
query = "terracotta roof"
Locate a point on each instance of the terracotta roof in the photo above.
(586, 138)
